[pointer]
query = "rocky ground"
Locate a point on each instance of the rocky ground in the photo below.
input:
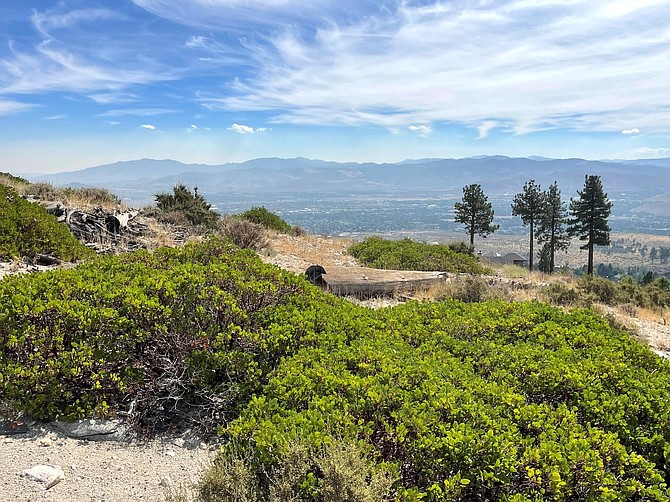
(87, 470)
(123, 471)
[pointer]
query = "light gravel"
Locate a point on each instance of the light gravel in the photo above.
(105, 471)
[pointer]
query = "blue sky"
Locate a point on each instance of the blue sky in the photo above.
(86, 82)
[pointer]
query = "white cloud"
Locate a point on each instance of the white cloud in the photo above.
(634, 130)
(423, 130)
(241, 129)
(136, 112)
(54, 117)
(643, 152)
(530, 64)
(11, 107)
(195, 42)
(73, 52)
(485, 127)
(108, 98)
(263, 129)
(151, 127)
(192, 128)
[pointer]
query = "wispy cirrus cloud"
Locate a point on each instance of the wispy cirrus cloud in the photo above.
(11, 107)
(536, 68)
(136, 112)
(485, 127)
(73, 52)
(150, 127)
(109, 98)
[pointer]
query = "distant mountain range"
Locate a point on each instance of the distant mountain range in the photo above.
(498, 175)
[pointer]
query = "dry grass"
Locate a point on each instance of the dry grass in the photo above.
(296, 253)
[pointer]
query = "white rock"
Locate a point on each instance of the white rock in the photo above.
(48, 475)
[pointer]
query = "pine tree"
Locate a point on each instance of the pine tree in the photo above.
(475, 212)
(551, 231)
(589, 217)
(530, 205)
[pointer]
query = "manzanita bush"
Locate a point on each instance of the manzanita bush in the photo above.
(452, 401)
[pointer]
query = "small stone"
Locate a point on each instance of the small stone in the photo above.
(166, 482)
(179, 442)
(48, 475)
(170, 453)
(45, 442)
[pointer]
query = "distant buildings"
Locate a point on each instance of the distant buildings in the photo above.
(506, 259)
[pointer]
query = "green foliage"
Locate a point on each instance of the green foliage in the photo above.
(489, 401)
(475, 212)
(187, 335)
(410, 255)
(188, 204)
(268, 219)
(551, 232)
(530, 204)
(318, 398)
(589, 217)
(26, 230)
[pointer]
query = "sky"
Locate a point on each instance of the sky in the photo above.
(90, 82)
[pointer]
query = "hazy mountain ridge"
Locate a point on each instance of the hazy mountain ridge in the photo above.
(498, 175)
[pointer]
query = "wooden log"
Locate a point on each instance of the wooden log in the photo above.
(367, 282)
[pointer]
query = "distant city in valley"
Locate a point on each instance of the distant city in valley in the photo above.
(415, 197)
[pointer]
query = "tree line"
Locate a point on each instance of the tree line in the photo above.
(550, 223)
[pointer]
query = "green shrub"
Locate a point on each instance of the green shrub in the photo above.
(187, 335)
(26, 230)
(490, 401)
(317, 398)
(193, 206)
(409, 255)
(271, 221)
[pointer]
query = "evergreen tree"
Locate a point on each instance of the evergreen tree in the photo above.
(530, 205)
(190, 203)
(589, 217)
(475, 212)
(551, 231)
(653, 254)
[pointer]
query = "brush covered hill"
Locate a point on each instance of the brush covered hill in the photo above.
(427, 401)
(26, 230)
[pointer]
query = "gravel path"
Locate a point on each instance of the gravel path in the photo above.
(105, 471)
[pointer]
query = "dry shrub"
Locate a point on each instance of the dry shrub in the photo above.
(175, 218)
(466, 288)
(560, 294)
(243, 233)
(230, 479)
(345, 474)
(348, 475)
(92, 197)
(43, 191)
(298, 231)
